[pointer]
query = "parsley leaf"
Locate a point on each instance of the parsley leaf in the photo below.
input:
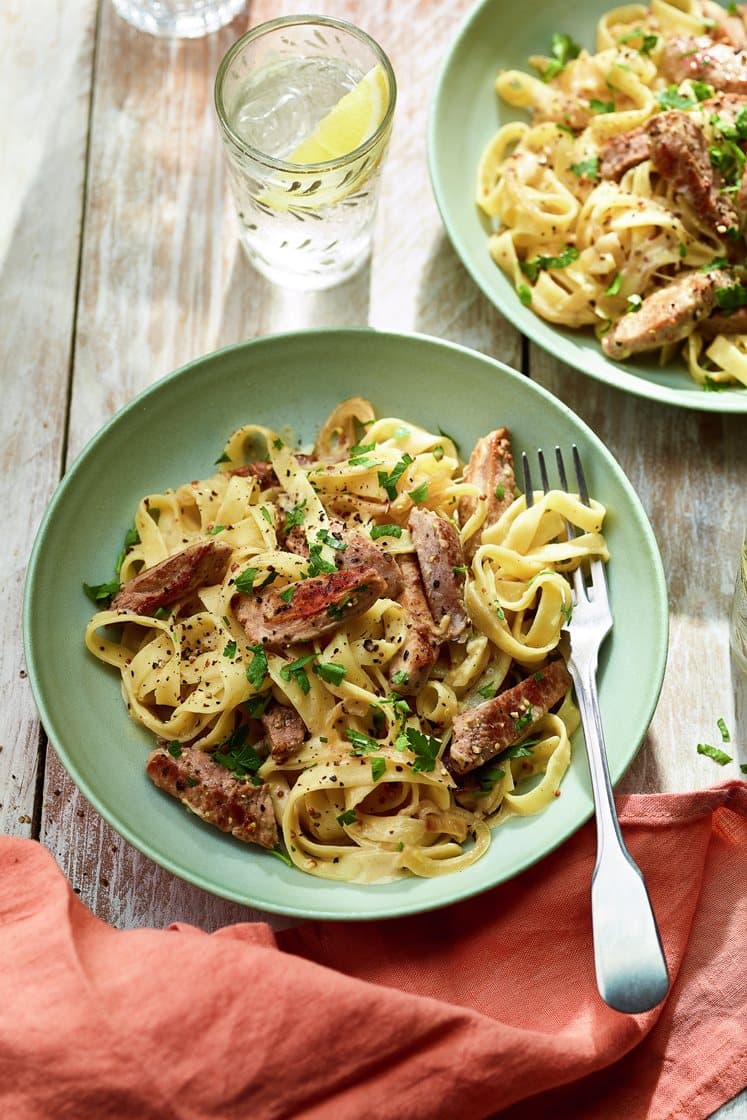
(719, 756)
(295, 516)
(534, 267)
(229, 650)
(420, 493)
(297, 671)
(671, 98)
(362, 744)
(348, 817)
(524, 293)
(317, 565)
(400, 677)
(725, 736)
(598, 106)
(587, 168)
(378, 767)
(101, 592)
(385, 531)
(564, 50)
(424, 747)
(732, 297)
(389, 481)
(244, 581)
(237, 755)
(330, 672)
(614, 287)
(256, 670)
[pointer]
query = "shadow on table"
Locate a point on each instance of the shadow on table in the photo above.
(253, 306)
(451, 306)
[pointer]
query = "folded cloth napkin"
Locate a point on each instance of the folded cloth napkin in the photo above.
(487, 1007)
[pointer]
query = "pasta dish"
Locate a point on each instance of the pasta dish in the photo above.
(621, 204)
(349, 655)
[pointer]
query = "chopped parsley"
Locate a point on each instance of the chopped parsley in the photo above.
(524, 293)
(269, 578)
(378, 767)
(266, 514)
(420, 493)
(385, 531)
(671, 98)
(237, 755)
(317, 564)
(295, 516)
(500, 492)
(719, 756)
(634, 302)
(330, 672)
(438, 453)
(563, 50)
(400, 677)
(229, 650)
(175, 748)
(732, 297)
(224, 458)
(425, 748)
(287, 593)
(532, 268)
(215, 529)
(725, 735)
(389, 481)
(488, 691)
(101, 592)
(488, 778)
(256, 670)
(525, 720)
(244, 581)
(614, 287)
(648, 40)
(362, 744)
(717, 262)
(598, 106)
(587, 168)
(348, 817)
(296, 670)
(257, 705)
(334, 542)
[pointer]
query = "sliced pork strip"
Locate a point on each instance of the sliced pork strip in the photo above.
(200, 565)
(439, 555)
(680, 153)
(316, 606)
(261, 469)
(214, 794)
(720, 64)
(409, 668)
(736, 323)
(623, 152)
(491, 467)
(286, 731)
(667, 315)
(361, 552)
(481, 733)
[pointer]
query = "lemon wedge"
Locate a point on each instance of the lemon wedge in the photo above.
(353, 120)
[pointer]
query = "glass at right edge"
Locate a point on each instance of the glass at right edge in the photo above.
(304, 226)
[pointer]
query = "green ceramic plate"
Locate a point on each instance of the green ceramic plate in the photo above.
(464, 115)
(175, 431)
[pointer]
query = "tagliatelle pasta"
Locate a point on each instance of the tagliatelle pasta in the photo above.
(369, 792)
(585, 243)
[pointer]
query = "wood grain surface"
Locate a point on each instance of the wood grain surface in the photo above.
(120, 262)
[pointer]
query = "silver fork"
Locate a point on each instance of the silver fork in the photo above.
(629, 961)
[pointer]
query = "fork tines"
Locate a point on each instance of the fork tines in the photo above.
(528, 486)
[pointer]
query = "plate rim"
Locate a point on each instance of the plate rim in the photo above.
(546, 335)
(148, 847)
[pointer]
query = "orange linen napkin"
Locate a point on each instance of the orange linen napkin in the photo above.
(488, 1005)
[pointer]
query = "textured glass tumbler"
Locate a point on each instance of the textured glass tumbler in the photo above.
(181, 19)
(304, 225)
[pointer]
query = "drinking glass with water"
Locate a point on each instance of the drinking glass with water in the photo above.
(305, 108)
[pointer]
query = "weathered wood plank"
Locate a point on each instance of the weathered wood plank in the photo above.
(45, 60)
(687, 468)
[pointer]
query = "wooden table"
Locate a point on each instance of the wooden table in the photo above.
(120, 261)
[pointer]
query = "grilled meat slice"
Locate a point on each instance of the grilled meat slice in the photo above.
(315, 607)
(623, 152)
(481, 733)
(439, 554)
(411, 665)
(735, 323)
(361, 552)
(200, 565)
(667, 315)
(491, 467)
(720, 64)
(680, 153)
(213, 793)
(285, 729)
(261, 469)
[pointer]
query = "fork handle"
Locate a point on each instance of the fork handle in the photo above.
(630, 966)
